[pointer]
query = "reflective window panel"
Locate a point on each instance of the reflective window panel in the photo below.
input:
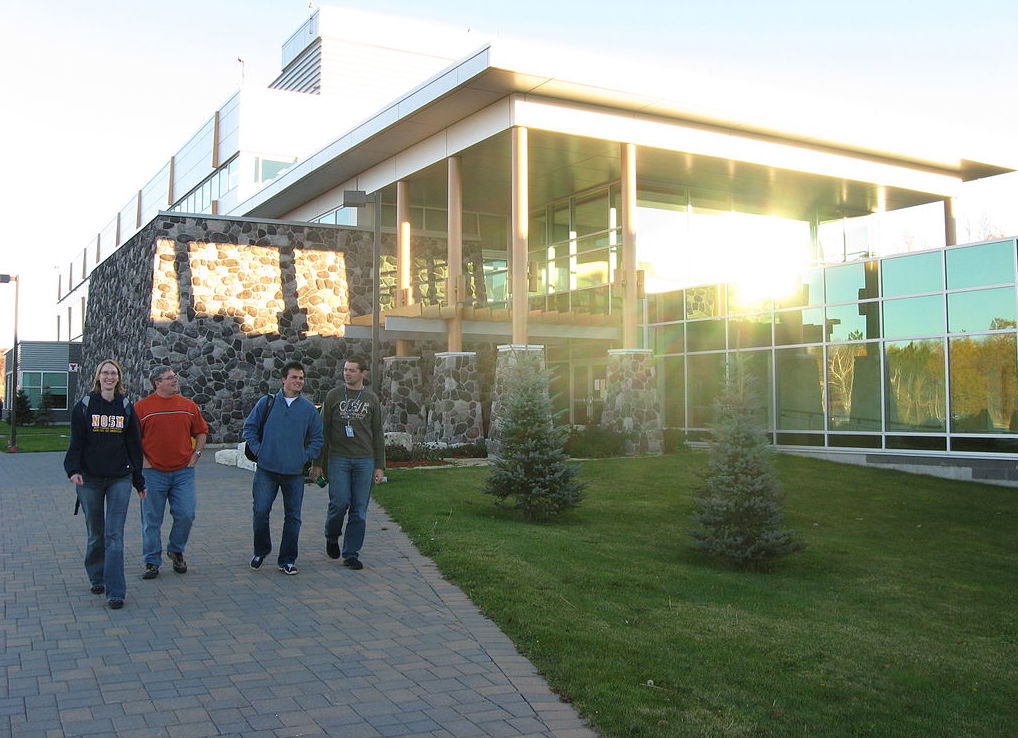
(856, 322)
(916, 390)
(978, 266)
(853, 440)
(705, 335)
(912, 274)
(984, 390)
(665, 307)
(749, 331)
(668, 338)
(800, 388)
(799, 326)
(914, 316)
(981, 310)
(810, 291)
(850, 282)
(756, 368)
(853, 386)
(674, 387)
(916, 443)
(706, 378)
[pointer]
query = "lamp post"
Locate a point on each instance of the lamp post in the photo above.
(360, 199)
(13, 444)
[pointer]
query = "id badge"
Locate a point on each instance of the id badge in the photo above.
(349, 431)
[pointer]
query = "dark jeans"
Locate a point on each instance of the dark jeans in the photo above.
(264, 489)
(104, 501)
(350, 482)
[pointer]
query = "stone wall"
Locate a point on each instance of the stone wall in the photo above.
(227, 302)
(631, 403)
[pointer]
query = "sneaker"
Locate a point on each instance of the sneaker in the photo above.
(256, 561)
(98, 589)
(151, 571)
(332, 549)
(116, 604)
(179, 565)
(288, 569)
(353, 563)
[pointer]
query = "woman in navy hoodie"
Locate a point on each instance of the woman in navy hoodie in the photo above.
(103, 460)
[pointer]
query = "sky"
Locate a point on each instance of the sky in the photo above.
(97, 95)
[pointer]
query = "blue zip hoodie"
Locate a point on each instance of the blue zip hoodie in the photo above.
(292, 435)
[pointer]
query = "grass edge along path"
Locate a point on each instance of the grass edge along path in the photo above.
(900, 618)
(32, 438)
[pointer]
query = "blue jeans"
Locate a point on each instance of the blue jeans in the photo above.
(350, 483)
(104, 501)
(177, 487)
(264, 489)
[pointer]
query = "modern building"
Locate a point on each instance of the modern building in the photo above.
(644, 240)
(45, 367)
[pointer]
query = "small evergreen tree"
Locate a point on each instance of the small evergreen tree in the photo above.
(530, 472)
(22, 408)
(739, 505)
(44, 415)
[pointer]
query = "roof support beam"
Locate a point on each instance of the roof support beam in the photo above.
(520, 212)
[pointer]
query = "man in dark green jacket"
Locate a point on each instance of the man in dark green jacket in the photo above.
(354, 456)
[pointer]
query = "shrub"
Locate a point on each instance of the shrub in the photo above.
(531, 473)
(738, 507)
(595, 442)
(419, 452)
(44, 415)
(475, 450)
(23, 414)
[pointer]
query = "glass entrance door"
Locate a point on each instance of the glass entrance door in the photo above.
(589, 380)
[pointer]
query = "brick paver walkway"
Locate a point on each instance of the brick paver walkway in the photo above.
(393, 650)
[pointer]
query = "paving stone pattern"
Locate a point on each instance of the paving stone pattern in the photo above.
(393, 650)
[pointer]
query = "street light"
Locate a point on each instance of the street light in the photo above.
(360, 199)
(13, 445)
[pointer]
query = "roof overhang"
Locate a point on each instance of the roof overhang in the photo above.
(492, 74)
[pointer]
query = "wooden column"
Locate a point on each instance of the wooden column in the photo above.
(520, 213)
(454, 255)
(630, 304)
(404, 293)
(950, 224)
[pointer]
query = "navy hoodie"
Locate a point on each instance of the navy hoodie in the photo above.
(105, 440)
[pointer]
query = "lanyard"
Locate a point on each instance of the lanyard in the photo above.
(346, 403)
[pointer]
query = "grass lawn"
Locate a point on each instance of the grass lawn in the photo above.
(899, 619)
(30, 438)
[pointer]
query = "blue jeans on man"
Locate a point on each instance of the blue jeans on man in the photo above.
(350, 483)
(178, 488)
(264, 489)
(104, 501)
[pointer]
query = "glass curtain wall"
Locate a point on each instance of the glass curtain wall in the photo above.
(574, 253)
(912, 352)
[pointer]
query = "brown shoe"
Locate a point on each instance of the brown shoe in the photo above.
(179, 565)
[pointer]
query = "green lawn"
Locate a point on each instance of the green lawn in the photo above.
(30, 438)
(900, 618)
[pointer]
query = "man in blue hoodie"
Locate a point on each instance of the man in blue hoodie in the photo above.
(284, 431)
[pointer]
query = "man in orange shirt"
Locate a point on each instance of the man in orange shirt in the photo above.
(173, 434)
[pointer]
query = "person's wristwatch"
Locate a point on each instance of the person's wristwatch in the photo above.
(198, 452)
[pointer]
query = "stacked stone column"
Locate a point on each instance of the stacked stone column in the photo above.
(455, 414)
(631, 403)
(508, 354)
(403, 401)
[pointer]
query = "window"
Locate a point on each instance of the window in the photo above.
(36, 384)
(980, 266)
